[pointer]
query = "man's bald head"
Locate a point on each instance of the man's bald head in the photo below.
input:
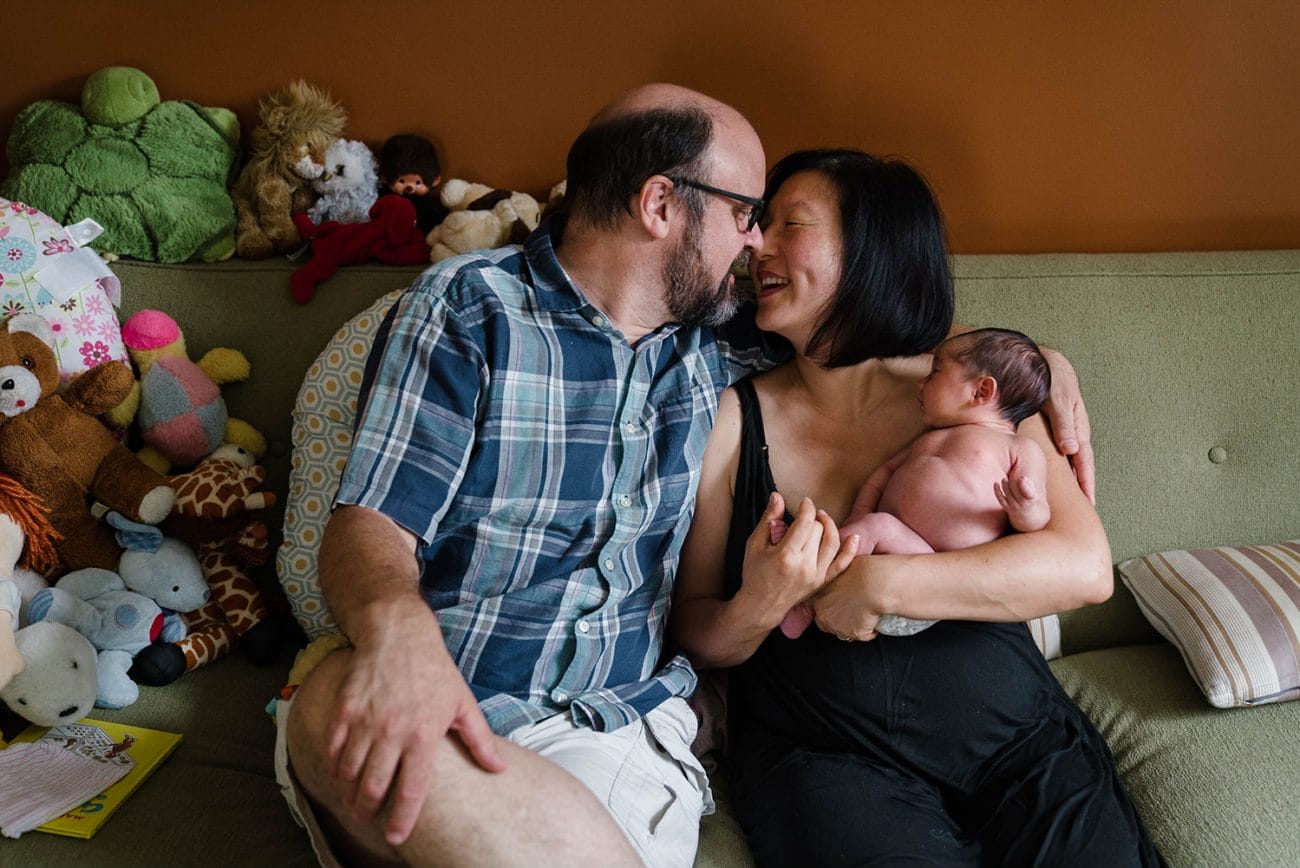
(653, 129)
(659, 95)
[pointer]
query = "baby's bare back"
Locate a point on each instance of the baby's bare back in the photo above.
(945, 489)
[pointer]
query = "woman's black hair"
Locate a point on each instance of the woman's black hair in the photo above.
(895, 293)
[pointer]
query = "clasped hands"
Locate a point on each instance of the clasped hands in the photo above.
(804, 564)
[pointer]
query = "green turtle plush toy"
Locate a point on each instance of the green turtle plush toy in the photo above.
(156, 175)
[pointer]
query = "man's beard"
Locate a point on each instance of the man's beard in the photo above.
(693, 298)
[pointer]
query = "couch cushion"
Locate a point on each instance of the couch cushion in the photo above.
(1233, 613)
(1214, 786)
(322, 438)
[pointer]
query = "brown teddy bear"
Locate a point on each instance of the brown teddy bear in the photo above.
(51, 442)
(297, 125)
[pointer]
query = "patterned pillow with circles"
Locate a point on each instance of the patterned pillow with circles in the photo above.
(322, 438)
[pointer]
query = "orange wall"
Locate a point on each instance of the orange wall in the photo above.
(1045, 126)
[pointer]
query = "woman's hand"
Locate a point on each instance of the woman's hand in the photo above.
(782, 573)
(844, 609)
(1068, 419)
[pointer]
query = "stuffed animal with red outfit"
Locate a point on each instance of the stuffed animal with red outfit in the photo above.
(391, 235)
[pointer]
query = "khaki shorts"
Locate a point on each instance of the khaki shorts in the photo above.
(644, 773)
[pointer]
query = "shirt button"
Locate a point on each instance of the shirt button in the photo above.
(630, 427)
(559, 696)
(583, 626)
(598, 321)
(609, 563)
(625, 501)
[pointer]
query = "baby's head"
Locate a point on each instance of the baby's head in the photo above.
(1013, 361)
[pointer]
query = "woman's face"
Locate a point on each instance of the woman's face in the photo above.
(797, 268)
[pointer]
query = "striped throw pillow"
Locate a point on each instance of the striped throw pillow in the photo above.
(1232, 612)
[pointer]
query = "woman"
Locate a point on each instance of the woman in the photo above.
(955, 745)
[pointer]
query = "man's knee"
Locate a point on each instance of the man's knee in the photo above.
(307, 726)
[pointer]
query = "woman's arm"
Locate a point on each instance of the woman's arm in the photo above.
(718, 632)
(1012, 578)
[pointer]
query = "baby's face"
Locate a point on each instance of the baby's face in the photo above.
(945, 391)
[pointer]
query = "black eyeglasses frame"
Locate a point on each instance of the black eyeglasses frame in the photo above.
(756, 204)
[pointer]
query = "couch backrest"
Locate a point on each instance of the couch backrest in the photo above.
(1190, 366)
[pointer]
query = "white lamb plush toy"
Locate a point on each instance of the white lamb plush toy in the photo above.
(348, 186)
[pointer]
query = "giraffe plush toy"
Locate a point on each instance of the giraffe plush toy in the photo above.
(215, 511)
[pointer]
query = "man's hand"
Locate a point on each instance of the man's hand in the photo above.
(1068, 419)
(402, 695)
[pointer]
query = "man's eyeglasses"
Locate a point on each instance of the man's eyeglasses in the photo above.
(746, 218)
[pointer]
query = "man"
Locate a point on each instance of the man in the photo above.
(501, 554)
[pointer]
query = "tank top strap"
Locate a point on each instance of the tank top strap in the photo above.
(754, 483)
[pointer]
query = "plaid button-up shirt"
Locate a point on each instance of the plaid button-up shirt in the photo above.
(549, 470)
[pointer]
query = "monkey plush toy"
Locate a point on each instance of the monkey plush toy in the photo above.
(409, 167)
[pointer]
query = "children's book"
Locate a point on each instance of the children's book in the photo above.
(78, 774)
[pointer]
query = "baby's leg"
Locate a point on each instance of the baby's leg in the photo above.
(885, 534)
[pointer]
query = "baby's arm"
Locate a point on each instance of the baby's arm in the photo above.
(869, 496)
(1023, 493)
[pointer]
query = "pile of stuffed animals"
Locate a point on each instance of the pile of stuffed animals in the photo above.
(303, 182)
(164, 180)
(125, 566)
(150, 550)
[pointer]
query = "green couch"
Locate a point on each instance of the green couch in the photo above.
(1177, 353)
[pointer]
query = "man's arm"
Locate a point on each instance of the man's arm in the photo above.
(403, 691)
(1068, 420)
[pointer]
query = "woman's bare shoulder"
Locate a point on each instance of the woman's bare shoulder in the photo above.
(910, 368)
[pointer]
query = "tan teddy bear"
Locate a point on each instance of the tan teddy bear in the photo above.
(51, 442)
(288, 148)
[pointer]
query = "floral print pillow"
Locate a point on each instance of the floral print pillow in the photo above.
(44, 269)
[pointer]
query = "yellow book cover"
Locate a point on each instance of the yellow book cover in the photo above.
(143, 749)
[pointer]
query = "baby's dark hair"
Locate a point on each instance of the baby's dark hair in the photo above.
(1019, 366)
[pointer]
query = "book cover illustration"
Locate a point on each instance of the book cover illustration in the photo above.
(83, 773)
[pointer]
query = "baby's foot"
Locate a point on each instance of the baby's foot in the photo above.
(796, 621)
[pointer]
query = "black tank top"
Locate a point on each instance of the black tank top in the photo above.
(754, 484)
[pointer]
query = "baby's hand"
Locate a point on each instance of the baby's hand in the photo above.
(1025, 504)
(777, 528)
